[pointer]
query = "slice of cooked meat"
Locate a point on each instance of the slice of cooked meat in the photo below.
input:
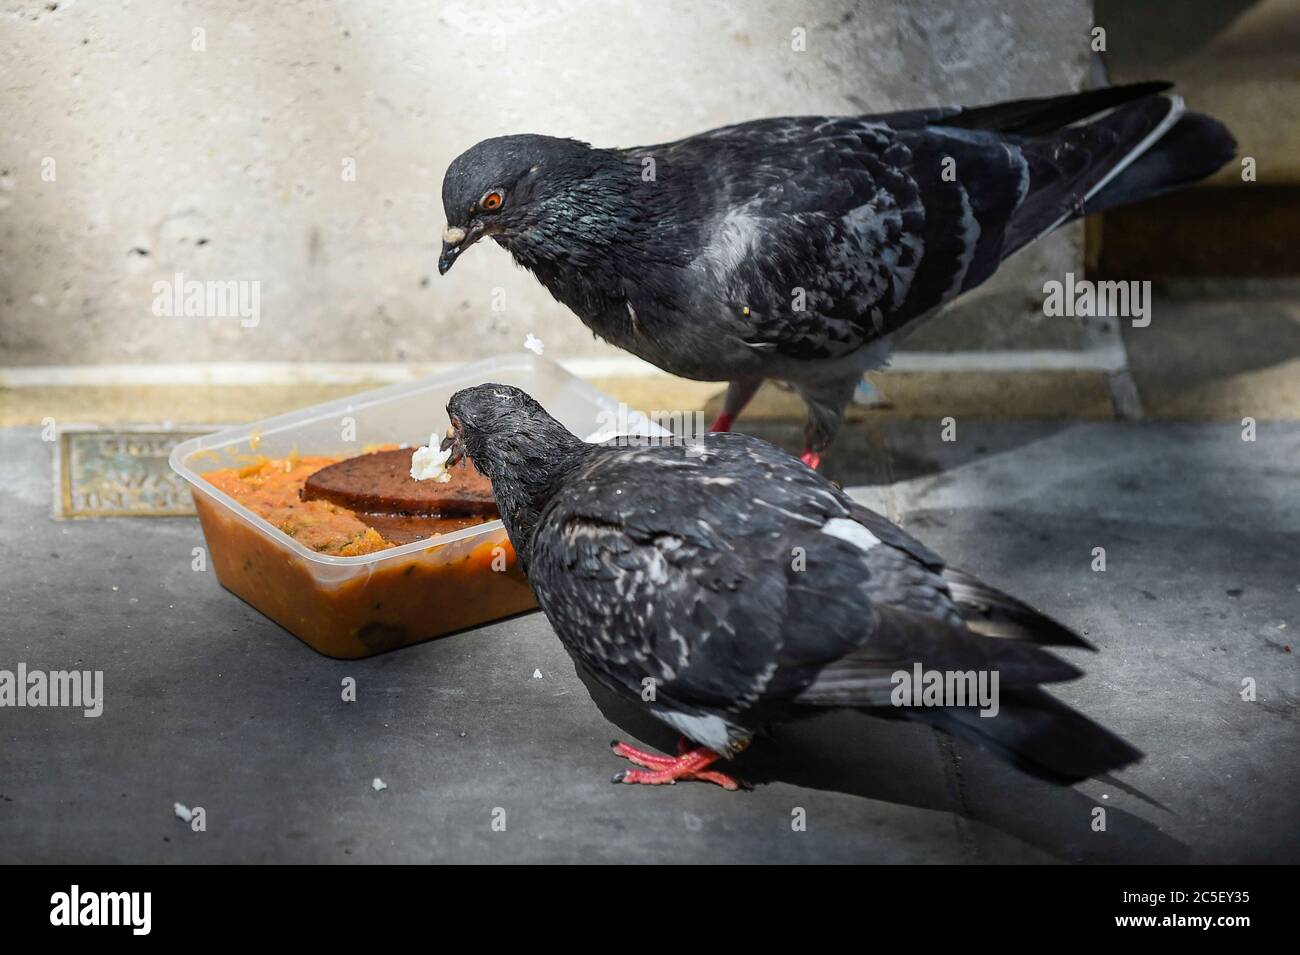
(381, 483)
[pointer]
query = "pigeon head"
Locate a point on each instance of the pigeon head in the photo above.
(505, 186)
(517, 446)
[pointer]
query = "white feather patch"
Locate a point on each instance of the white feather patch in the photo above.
(708, 730)
(851, 531)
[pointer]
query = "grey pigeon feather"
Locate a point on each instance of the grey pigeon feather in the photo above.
(799, 249)
(742, 588)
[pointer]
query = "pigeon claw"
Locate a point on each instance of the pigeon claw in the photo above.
(667, 770)
(631, 776)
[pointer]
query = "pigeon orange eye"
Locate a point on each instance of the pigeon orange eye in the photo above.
(491, 202)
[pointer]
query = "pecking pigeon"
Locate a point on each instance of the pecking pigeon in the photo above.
(725, 587)
(798, 249)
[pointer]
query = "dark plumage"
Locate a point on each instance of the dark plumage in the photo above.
(797, 249)
(679, 568)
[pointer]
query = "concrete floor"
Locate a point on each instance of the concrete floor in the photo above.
(210, 704)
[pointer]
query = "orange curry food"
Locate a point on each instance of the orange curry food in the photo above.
(361, 608)
(272, 489)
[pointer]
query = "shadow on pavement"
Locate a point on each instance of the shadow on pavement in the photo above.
(910, 764)
(884, 451)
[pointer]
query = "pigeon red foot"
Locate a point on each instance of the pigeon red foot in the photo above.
(811, 458)
(689, 763)
(722, 422)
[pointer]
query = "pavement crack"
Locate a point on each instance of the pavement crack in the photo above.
(952, 775)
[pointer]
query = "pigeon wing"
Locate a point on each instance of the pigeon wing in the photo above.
(736, 579)
(828, 233)
(823, 234)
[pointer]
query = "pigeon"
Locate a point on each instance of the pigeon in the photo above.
(725, 587)
(798, 249)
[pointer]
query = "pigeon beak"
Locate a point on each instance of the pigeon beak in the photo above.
(454, 444)
(455, 241)
(452, 242)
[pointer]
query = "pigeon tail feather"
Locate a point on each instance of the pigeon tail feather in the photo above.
(1195, 147)
(1069, 166)
(992, 613)
(1049, 114)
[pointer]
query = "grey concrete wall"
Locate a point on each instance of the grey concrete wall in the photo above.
(129, 155)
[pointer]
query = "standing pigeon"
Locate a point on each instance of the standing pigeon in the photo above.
(797, 249)
(724, 586)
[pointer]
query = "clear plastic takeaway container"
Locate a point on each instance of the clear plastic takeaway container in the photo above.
(358, 606)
